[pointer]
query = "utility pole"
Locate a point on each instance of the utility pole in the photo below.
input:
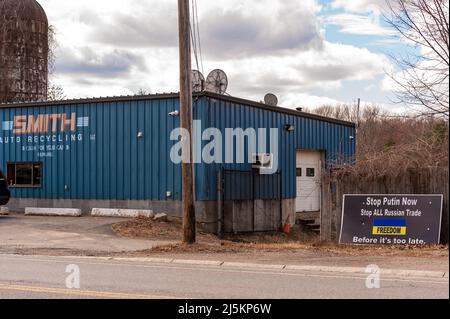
(189, 223)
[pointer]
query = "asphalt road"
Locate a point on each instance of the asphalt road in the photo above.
(46, 277)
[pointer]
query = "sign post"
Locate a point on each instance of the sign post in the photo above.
(391, 219)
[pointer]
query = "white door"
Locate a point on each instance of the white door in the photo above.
(309, 186)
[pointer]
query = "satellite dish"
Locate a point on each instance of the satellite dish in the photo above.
(198, 81)
(271, 99)
(217, 82)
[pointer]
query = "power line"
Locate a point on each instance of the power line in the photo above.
(198, 34)
(194, 44)
(195, 36)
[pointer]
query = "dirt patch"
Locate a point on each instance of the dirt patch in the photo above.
(298, 234)
(147, 228)
(298, 240)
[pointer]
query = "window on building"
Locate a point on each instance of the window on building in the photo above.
(311, 172)
(299, 172)
(24, 174)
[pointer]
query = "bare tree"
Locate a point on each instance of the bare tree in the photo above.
(389, 144)
(55, 93)
(343, 112)
(142, 91)
(424, 78)
(52, 46)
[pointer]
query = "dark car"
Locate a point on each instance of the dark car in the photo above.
(4, 191)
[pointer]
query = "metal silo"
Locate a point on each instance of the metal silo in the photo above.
(24, 51)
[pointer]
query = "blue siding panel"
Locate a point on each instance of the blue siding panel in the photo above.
(111, 162)
(310, 134)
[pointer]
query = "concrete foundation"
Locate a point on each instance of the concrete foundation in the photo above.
(258, 215)
(238, 216)
(288, 211)
(206, 211)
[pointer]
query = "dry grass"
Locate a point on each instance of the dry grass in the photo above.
(297, 240)
(328, 249)
(400, 251)
(147, 228)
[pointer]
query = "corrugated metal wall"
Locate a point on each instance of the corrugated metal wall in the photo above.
(310, 134)
(111, 162)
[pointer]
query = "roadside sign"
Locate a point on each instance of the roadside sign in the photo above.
(391, 219)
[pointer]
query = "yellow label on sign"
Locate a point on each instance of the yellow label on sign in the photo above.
(389, 231)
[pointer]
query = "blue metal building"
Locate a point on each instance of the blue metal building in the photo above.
(115, 152)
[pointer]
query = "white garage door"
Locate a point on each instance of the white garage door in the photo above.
(308, 181)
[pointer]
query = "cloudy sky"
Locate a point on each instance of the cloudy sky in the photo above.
(308, 52)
